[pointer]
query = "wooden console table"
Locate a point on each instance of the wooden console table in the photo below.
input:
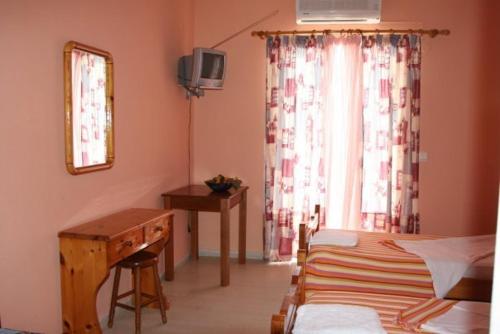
(88, 251)
(196, 198)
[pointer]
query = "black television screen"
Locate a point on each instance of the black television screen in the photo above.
(212, 66)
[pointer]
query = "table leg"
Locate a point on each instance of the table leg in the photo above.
(193, 217)
(169, 247)
(242, 233)
(84, 268)
(224, 243)
(148, 285)
(169, 253)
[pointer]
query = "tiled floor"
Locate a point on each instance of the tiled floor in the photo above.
(198, 304)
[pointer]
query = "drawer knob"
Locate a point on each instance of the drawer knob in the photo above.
(127, 243)
(158, 228)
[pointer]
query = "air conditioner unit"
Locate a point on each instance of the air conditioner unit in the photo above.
(338, 11)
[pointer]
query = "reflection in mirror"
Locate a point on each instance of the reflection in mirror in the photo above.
(88, 108)
(89, 96)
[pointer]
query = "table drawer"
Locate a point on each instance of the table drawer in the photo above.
(156, 230)
(125, 245)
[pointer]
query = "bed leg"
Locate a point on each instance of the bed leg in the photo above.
(278, 324)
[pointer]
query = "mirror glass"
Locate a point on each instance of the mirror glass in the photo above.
(88, 86)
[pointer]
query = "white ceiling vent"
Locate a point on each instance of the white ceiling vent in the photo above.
(338, 11)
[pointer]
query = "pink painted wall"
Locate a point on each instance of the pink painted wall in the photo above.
(459, 110)
(38, 197)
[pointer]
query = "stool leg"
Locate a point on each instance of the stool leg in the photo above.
(159, 294)
(114, 296)
(137, 301)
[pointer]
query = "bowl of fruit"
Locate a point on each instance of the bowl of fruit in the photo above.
(220, 183)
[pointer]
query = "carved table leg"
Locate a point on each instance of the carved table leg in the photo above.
(83, 271)
(148, 285)
(148, 277)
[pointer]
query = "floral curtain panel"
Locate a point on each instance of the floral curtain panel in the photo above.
(293, 173)
(391, 111)
(342, 131)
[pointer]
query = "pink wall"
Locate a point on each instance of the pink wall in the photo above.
(487, 158)
(459, 111)
(38, 197)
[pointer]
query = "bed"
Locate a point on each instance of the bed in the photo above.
(387, 306)
(396, 314)
(370, 271)
(475, 285)
(373, 267)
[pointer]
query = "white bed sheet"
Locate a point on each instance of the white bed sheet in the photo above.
(464, 318)
(448, 259)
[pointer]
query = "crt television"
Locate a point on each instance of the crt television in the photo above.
(205, 68)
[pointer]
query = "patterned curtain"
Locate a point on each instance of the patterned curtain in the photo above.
(391, 134)
(294, 181)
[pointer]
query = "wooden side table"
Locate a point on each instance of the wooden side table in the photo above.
(196, 198)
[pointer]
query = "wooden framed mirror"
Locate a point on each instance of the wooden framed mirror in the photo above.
(88, 108)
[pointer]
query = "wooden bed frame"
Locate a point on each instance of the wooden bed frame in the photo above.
(283, 321)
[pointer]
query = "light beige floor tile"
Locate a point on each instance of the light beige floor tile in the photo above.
(200, 305)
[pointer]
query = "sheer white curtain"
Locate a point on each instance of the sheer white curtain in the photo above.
(343, 131)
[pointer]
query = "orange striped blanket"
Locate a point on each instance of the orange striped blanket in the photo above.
(369, 267)
(388, 307)
(414, 317)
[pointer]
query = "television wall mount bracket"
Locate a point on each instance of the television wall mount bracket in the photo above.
(194, 91)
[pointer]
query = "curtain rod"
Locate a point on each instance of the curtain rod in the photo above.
(431, 32)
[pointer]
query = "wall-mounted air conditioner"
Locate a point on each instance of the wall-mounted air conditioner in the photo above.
(338, 11)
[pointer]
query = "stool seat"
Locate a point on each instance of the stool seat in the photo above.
(141, 259)
(136, 262)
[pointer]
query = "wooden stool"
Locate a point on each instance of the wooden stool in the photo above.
(136, 262)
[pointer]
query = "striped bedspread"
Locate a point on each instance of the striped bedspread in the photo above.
(369, 267)
(414, 317)
(388, 307)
